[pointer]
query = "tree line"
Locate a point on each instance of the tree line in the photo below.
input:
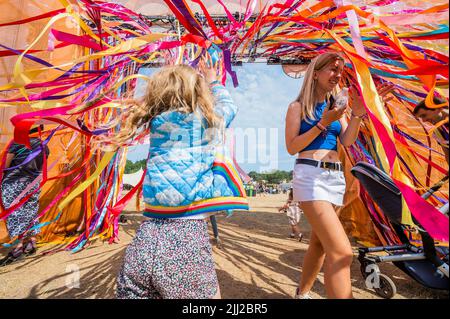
(133, 167)
(274, 177)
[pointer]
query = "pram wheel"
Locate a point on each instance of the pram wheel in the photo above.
(387, 288)
(363, 268)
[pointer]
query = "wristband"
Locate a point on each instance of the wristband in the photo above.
(360, 117)
(321, 127)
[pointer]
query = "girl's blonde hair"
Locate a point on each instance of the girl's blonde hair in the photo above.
(179, 88)
(307, 97)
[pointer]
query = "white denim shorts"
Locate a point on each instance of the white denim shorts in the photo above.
(315, 183)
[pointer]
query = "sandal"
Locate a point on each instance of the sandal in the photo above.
(122, 220)
(12, 256)
(30, 248)
(299, 237)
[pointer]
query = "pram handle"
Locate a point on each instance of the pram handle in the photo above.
(435, 187)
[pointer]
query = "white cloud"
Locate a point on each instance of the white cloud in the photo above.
(171, 175)
(174, 144)
(156, 135)
(263, 103)
(168, 127)
(158, 160)
(197, 167)
(170, 197)
(263, 96)
(178, 154)
(251, 77)
(153, 182)
(150, 200)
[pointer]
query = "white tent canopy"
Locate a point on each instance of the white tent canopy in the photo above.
(134, 178)
(159, 7)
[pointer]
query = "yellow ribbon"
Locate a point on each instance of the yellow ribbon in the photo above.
(80, 188)
(373, 102)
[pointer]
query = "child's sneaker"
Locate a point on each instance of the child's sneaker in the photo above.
(301, 296)
(299, 237)
(122, 220)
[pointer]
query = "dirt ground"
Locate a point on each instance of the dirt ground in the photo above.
(256, 260)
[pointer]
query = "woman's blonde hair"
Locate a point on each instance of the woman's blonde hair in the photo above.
(307, 97)
(179, 88)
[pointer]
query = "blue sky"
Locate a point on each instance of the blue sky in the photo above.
(263, 95)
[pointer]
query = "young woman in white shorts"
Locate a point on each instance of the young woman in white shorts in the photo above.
(312, 131)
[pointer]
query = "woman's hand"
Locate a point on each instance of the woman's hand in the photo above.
(329, 116)
(358, 108)
(208, 69)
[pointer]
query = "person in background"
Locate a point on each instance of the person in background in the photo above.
(436, 116)
(18, 174)
(294, 213)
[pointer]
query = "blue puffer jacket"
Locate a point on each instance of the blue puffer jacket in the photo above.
(188, 170)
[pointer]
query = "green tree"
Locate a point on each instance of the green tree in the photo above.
(133, 167)
(254, 175)
(273, 177)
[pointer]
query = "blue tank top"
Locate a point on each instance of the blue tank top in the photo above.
(326, 140)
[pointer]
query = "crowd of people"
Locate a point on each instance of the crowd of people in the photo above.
(187, 180)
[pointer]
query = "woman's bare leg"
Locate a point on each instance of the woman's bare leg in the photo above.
(312, 263)
(295, 229)
(335, 244)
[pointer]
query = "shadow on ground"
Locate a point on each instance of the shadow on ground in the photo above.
(256, 260)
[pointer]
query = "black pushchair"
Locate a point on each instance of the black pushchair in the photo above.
(428, 264)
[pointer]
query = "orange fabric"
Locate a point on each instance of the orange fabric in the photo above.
(18, 37)
(353, 214)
